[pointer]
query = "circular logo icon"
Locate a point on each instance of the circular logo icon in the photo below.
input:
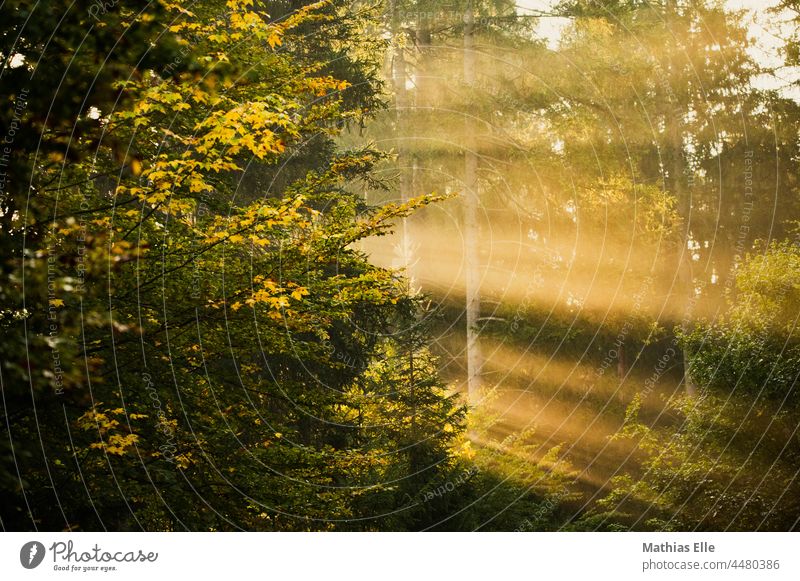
(31, 554)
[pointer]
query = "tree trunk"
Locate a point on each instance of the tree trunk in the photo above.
(622, 364)
(677, 174)
(471, 226)
(404, 157)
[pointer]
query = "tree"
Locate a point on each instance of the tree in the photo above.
(668, 102)
(210, 359)
(445, 97)
(471, 224)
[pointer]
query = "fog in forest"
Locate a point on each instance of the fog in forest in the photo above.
(627, 164)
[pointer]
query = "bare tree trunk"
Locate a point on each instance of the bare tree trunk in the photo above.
(404, 157)
(677, 170)
(471, 226)
(684, 258)
(622, 364)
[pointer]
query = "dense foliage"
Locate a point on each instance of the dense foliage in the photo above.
(178, 354)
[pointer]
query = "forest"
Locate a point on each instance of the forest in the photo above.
(399, 265)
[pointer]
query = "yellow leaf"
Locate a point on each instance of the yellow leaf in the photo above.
(136, 167)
